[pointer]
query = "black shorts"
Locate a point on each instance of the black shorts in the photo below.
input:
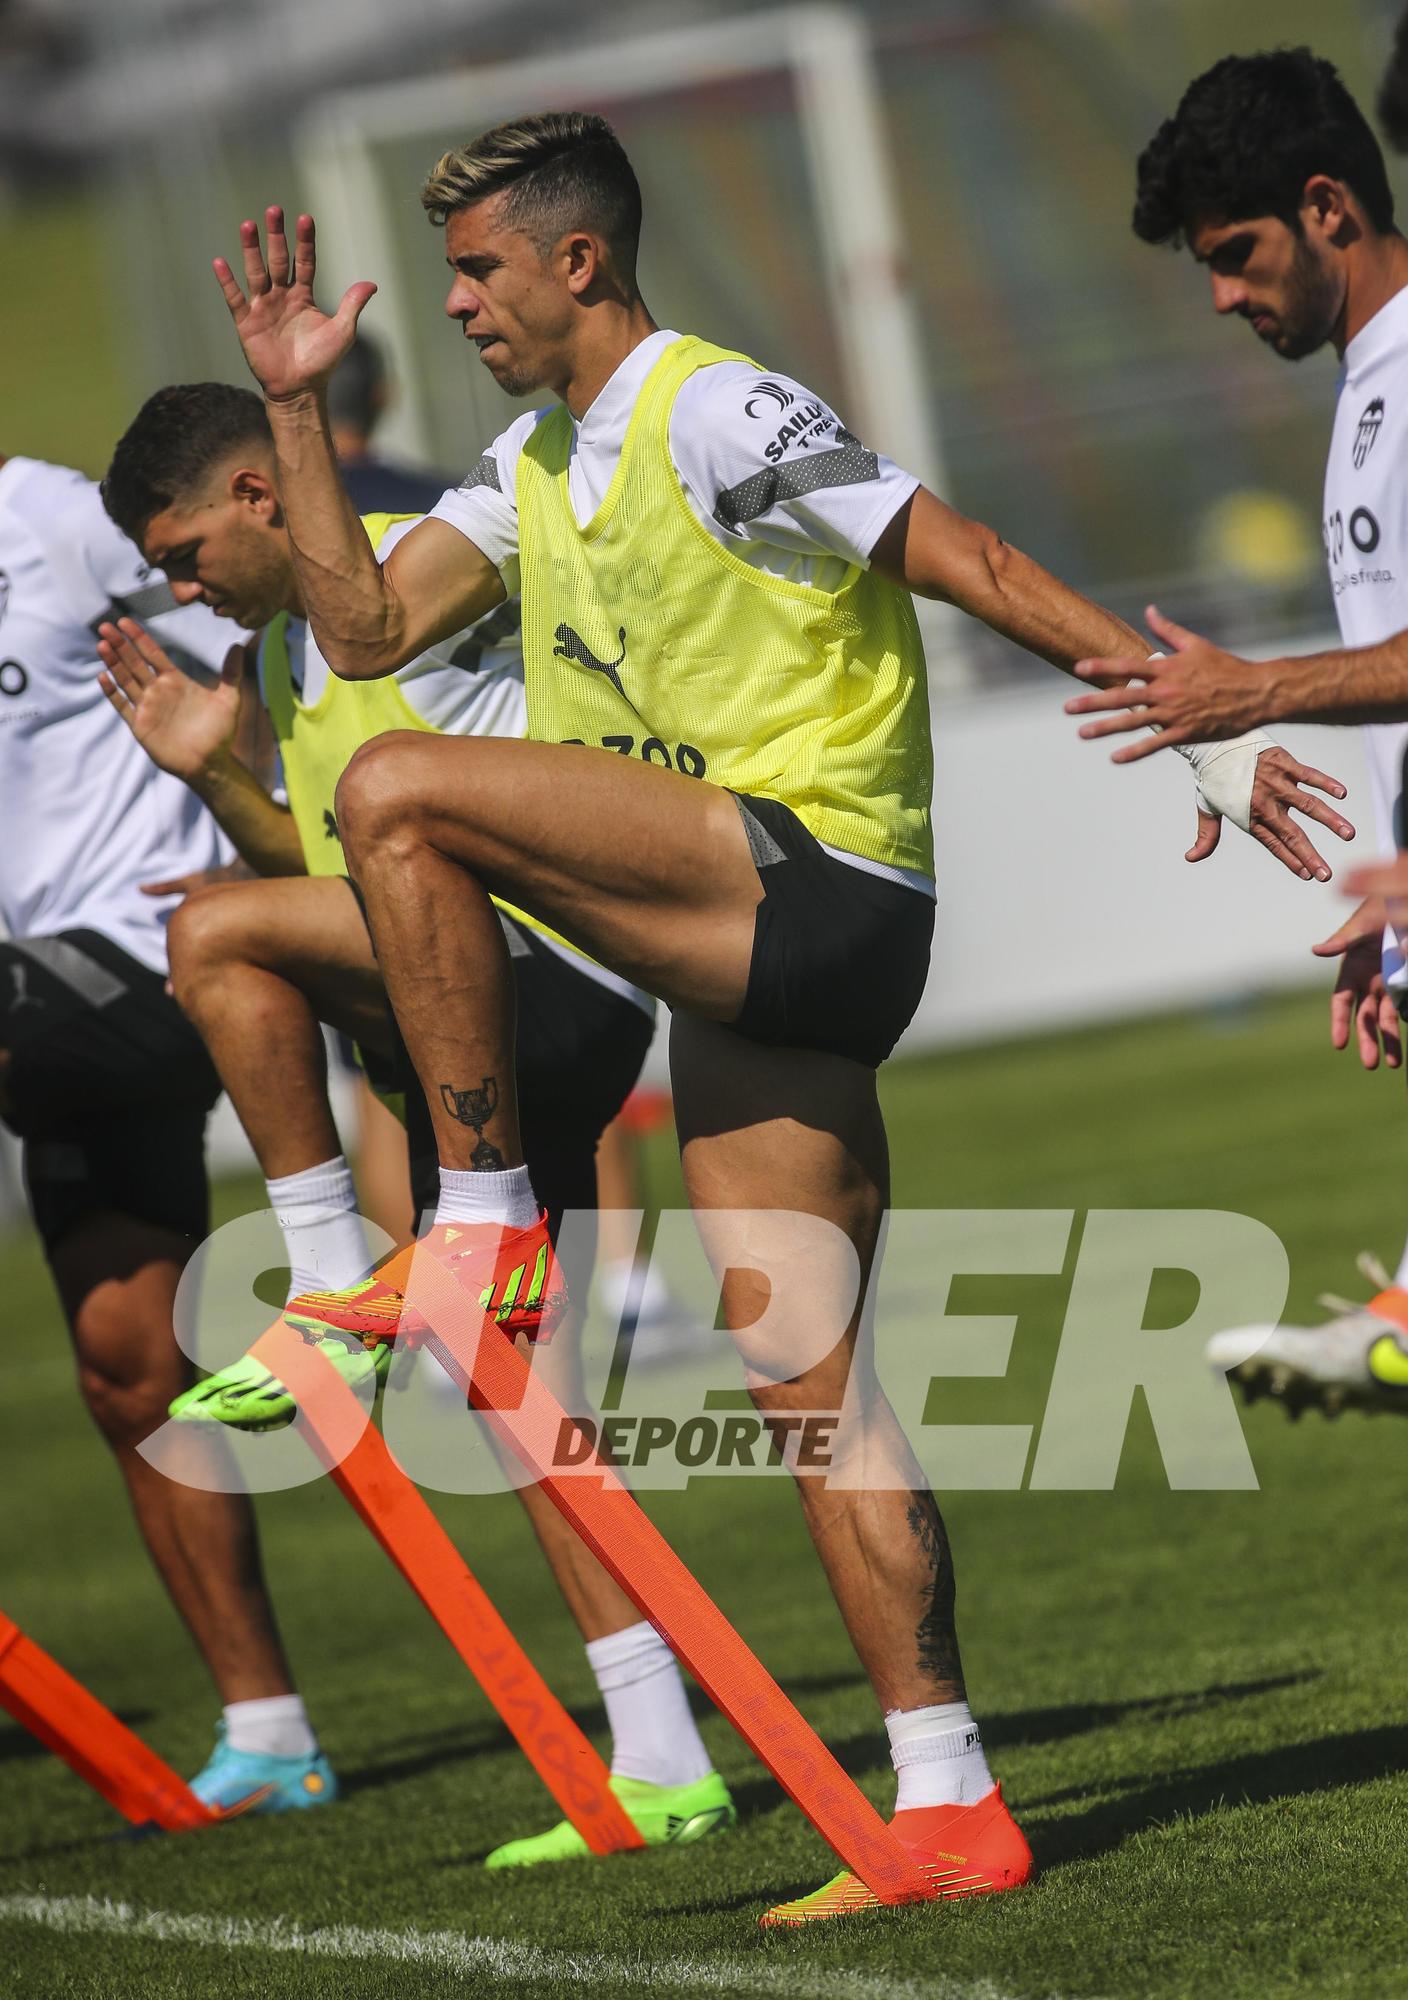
(580, 1048)
(840, 957)
(108, 1084)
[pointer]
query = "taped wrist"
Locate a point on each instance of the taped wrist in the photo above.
(1225, 772)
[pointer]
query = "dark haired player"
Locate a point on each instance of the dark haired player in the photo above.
(1270, 174)
(258, 964)
(727, 801)
(108, 1085)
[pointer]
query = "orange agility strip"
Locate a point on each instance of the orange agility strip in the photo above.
(338, 1428)
(499, 1382)
(74, 1724)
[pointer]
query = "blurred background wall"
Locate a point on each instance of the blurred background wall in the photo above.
(1086, 399)
(1071, 387)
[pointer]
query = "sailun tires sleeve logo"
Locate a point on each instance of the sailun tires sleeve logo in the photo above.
(766, 396)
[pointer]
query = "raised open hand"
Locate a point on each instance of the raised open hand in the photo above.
(1361, 1001)
(291, 346)
(182, 726)
(1258, 791)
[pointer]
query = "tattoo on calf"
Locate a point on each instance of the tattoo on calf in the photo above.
(936, 1637)
(475, 1108)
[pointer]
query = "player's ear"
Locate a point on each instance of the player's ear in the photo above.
(1324, 206)
(255, 489)
(582, 254)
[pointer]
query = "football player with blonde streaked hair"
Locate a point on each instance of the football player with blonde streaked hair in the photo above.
(725, 797)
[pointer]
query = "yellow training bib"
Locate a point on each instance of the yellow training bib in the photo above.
(645, 636)
(318, 741)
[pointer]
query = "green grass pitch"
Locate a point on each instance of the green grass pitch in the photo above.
(1196, 1702)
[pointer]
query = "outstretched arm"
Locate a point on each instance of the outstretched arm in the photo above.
(368, 619)
(1201, 693)
(935, 552)
(190, 731)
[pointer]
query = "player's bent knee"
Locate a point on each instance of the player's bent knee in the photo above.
(125, 1412)
(199, 937)
(376, 794)
(126, 1380)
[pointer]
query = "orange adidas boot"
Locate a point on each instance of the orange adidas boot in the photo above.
(513, 1272)
(962, 1851)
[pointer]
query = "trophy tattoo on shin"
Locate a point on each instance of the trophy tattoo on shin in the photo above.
(476, 1107)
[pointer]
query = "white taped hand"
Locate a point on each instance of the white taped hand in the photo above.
(1226, 774)
(1230, 785)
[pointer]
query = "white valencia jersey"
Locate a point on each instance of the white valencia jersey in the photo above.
(1366, 541)
(85, 816)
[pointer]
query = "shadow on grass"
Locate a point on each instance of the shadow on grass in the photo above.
(116, 1833)
(1298, 1771)
(1303, 1769)
(428, 1750)
(1054, 1725)
(864, 1755)
(462, 1747)
(55, 1850)
(17, 1743)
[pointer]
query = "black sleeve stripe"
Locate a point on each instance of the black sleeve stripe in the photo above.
(149, 602)
(850, 464)
(503, 623)
(485, 473)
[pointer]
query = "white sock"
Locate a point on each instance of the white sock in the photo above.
(938, 1754)
(506, 1197)
(652, 1731)
(277, 1726)
(317, 1212)
(621, 1280)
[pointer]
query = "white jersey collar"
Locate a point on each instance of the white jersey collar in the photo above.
(1384, 334)
(606, 417)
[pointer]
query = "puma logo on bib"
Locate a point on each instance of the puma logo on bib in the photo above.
(571, 646)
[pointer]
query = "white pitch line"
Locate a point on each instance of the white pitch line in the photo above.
(497, 1959)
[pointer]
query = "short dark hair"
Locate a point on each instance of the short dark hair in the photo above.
(357, 386)
(1247, 136)
(1393, 91)
(175, 439)
(566, 169)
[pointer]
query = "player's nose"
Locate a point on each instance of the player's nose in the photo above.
(187, 593)
(1228, 294)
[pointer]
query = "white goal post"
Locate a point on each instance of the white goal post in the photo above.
(823, 55)
(824, 50)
